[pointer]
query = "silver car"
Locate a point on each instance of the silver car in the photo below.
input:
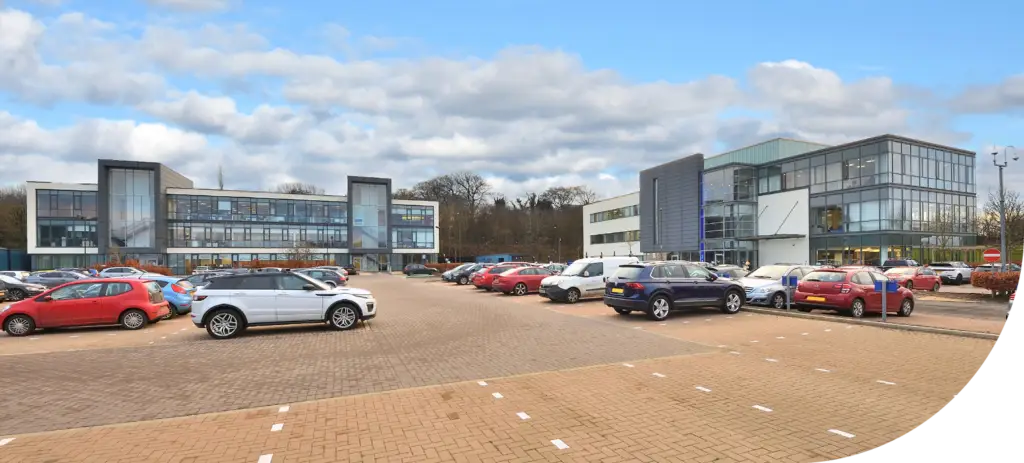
(764, 285)
(54, 279)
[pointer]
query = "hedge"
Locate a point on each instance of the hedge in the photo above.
(999, 282)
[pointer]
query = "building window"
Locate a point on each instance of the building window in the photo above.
(617, 237)
(618, 213)
(66, 204)
(221, 208)
(369, 216)
(657, 213)
(65, 233)
(415, 216)
(412, 238)
(132, 198)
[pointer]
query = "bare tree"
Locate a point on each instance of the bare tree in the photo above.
(567, 196)
(220, 176)
(300, 251)
(13, 217)
(989, 225)
(299, 188)
(405, 193)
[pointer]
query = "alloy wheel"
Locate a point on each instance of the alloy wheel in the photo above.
(224, 324)
(858, 309)
(732, 302)
(134, 320)
(573, 296)
(520, 289)
(778, 301)
(661, 308)
(344, 317)
(19, 326)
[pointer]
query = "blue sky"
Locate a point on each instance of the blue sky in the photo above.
(939, 46)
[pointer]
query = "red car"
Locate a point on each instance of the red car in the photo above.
(484, 277)
(915, 277)
(521, 281)
(110, 301)
(850, 291)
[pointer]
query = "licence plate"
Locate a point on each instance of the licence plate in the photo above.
(815, 299)
(617, 290)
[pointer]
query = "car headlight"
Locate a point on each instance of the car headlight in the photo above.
(363, 296)
(762, 290)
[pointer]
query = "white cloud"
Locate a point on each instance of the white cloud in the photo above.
(193, 5)
(527, 118)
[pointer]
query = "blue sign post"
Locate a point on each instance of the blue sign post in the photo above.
(890, 286)
(789, 282)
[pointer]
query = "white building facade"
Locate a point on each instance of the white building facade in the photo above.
(611, 227)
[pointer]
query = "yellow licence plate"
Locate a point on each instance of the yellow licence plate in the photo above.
(815, 299)
(617, 290)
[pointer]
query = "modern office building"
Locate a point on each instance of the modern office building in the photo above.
(791, 201)
(148, 212)
(611, 227)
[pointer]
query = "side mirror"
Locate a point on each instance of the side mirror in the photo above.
(712, 277)
(308, 287)
(47, 298)
(586, 274)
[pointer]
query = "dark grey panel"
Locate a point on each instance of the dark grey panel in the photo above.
(348, 204)
(679, 201)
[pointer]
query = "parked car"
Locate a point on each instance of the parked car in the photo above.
(582, 279)
(485, 277)
(449, 275)
(200, 269)
(3, 291)
(658, 289)
(890, 263)
(729, 271)
(555, 268)
(952, 272)
(764, 285)
(995, 267)
(16, 290)
(230, 304)
(328, 277)
(54, 279)
(418, 269)
(16, 274)
(335, 268)
(464, 276)
(202, 279)
(178, 292)
(270, 270)
(915, 277)
(350, 269)
(869, 268)
(520, 281)
(114, 272)
(131, 303)
(850, 292)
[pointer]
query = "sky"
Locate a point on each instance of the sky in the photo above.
(528, 94)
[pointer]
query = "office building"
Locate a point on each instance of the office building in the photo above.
(148, 212)
(611, 227)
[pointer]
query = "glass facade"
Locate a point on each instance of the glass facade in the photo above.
(412, 228)
(65, 219)
(255, 235)
(617, 237)
(412, 238)
(243, 209)
(132, 201)
(369, 216)
(618, 213)
(729, 209)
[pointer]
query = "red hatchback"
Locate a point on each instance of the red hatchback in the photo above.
(110, 301)
(484, 278)
(521, 281)
(915, 277)
(850, 291)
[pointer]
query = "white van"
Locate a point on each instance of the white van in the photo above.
(585, 278)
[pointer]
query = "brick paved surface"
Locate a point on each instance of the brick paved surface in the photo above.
(421, 336)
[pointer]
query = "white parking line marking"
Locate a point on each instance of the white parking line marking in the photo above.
(482, 383)
(685, 322)
(637, 327)
(151, 342)
(703, 389)
(763, 409)
(559, 444)
(32, 339)
(497, 395)
(4, 442)
(283, 409)
(75, 336)
(111, 334)
(830, 329)
(277, 427)
(887, 383)
(523, 416)
(628, 365)
(165, 337)
(266, 458)
(734, 353)
(662, 324)
(720, 346)
(772, 360)
(755, 341)
(728, 318)
(804, 334)
(780, 337)
(842, 433)
(849, 327)
(707, 319)
(823, 370)
(659, 375)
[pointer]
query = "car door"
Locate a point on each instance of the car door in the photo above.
(257, 296)
(866, 288)
(295, 304)
(705, 291)
(593, 280)
(111, 302)
(674, 277)
(73, 305)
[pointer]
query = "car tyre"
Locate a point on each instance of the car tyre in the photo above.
(463, 281)
(659, 308)
(622, 311)
(906, 308)
(935, 288)
(572, 296)
(19, 325)
(520, 289)
(779, 301)
(133, 319)
(959, 279)
(733, 302)
(857, 308)
(910, 285)
(16, 294)
(343, 317)
(171, 311)
(224, 324)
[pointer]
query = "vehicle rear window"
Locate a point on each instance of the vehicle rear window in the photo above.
(185, 284)
(155, 293)
(224, 283)
(827, 277)
(628, 272)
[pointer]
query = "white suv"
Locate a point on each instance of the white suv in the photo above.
(230, 304)
(952, 272)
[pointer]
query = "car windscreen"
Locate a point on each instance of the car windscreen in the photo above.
(901, 271)
(769, 272)
(826, 277)
(576, 268)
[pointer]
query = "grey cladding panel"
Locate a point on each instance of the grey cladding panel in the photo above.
(679, 201)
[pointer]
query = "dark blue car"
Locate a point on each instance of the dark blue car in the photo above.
(659, 288)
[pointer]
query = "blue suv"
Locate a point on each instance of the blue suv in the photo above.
(659, 288)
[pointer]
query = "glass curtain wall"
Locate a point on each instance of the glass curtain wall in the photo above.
(65, 219)
(369, 216)
(730, 213)
(132, 200)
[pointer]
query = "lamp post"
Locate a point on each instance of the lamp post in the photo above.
(1002, 202)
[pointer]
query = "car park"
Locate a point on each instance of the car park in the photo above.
(350, 270)
(584, 278)
(952, 272)
(520, 281)
(328, 277)
(202, 279)
(915, 277)
(230, 304)
(131, 303)
(660, 288)
(16, 290)
(16, 274)
(418, 269)
(764, 285)
(850, 292)
(53, 279)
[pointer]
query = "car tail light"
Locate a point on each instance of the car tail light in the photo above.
(635, 286)
(843, 288)
(178, 289)
(200, 298)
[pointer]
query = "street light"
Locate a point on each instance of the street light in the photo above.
(1002, 202)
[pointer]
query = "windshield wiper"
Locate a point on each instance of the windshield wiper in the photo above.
(812, 279)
